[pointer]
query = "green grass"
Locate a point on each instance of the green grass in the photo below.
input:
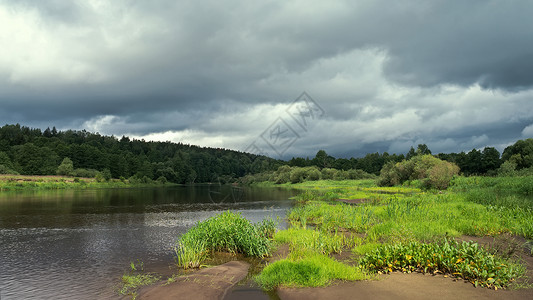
(421, 216)
(320, 242)
(398, 216)
(309, 270)
(227, 232)
(21, 182)
(131, 283)
(496, 191)
(466, 260)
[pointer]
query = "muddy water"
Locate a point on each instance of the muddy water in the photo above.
(76, 244)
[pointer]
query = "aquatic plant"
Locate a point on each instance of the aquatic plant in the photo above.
(466, 260)
(228, 232)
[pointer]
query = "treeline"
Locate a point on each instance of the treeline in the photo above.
(514, 159)
(288, 174)
(31, 151)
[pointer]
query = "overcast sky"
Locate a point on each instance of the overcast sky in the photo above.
(378, 75)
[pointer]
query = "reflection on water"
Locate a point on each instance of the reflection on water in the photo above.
(75, 244)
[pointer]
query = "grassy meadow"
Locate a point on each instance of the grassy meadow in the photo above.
(406, 229)
(34, 182)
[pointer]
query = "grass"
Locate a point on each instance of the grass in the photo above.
(132, 282)
(307, 270)
(22, 182)
(316, 241)
(392, 220)
(227, 232)
(392, 229)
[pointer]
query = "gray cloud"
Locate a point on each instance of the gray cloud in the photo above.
(387, 74)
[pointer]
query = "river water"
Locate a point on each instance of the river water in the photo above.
(76, 244)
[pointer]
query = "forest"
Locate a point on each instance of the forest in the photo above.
(32, 151)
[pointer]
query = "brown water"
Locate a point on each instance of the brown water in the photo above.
(76, 244)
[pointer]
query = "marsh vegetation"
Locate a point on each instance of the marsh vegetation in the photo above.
(398, 228)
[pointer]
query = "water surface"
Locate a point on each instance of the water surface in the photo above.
(76, 244)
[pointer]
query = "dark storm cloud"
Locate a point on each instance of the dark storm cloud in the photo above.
(136, 67)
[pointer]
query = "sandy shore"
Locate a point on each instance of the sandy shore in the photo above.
(210, 283)
(219, 283)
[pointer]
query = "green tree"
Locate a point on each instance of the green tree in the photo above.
(422, 149)
(490, 159)
(521, 152)
(66, 167)
(5, 160)
(34, 160)
(322, 159)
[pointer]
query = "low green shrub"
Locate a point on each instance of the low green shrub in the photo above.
(429, 170)
(466, 260)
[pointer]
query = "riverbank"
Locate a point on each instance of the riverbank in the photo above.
(346, 222)
(35, 182)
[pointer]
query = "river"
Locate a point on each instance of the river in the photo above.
(76, 244)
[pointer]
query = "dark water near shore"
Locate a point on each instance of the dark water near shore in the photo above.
(76, 244)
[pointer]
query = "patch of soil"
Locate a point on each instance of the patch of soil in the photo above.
(280, 253)
(403, 286)
(209, 283)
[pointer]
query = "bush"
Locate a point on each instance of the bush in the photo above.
(86, 173)
(430, 171)
(328, 173)
(297, 175)
(359, 174)
(313, 175)
(162, 180)
(5, 170)
(282, 175)
(99, 177)
(66, 167)
(466, 260)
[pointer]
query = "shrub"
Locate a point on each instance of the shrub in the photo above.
(5, 170)
(99, 177)
(466, 260)
(282, 175)
(297, 175)
(66, 167)
(162, 180)
(429, 170)
(328, 173)
(87, 173)
(313, 174)
(359, 174)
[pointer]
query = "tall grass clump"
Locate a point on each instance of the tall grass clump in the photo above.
(508, 192)
(320, 242)
(466, 260)
(227, 232)
(309, 270)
